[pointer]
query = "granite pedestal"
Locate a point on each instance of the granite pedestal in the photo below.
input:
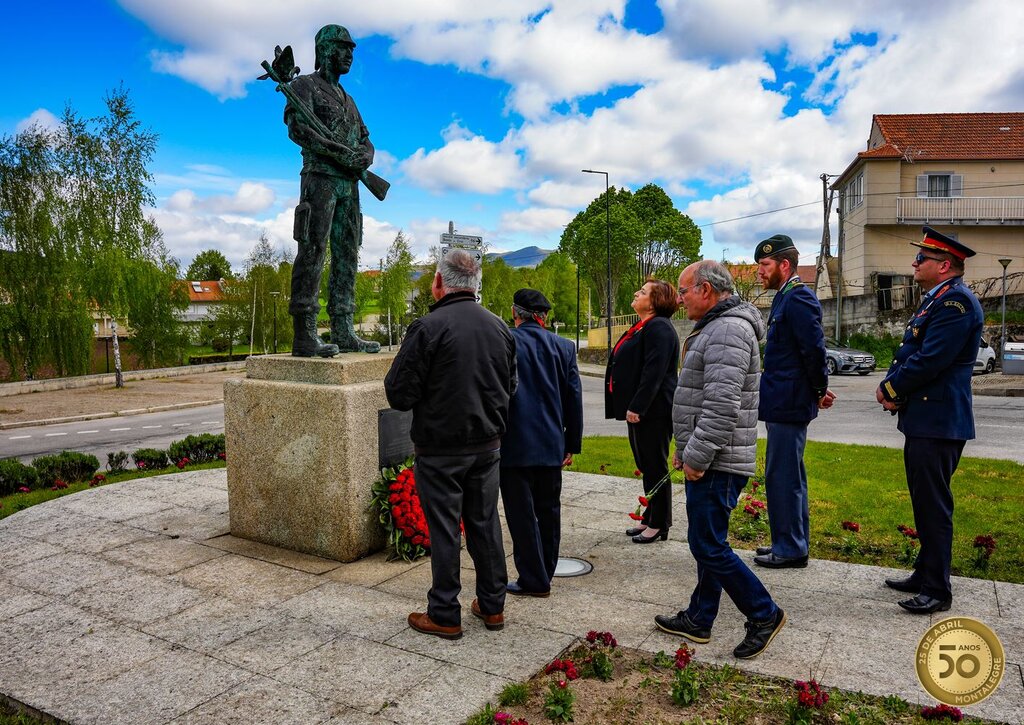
(303, 452)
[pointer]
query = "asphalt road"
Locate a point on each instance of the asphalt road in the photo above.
(105, 435)
(856, 418)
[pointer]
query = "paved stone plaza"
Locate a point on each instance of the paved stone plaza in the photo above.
(130, 603)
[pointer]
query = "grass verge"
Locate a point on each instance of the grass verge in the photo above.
(15, 502)
(866, 485)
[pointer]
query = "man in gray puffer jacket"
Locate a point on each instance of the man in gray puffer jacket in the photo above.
(714, 415)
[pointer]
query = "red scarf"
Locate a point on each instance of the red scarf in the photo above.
(629, 334)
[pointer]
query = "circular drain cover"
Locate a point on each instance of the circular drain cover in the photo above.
(568, 566)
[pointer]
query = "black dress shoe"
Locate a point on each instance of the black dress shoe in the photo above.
(763, 550)
(514, 588)
(681, 625)
(771, 561)
(923, 604)
(660, 536)
(636, 530)
(759, 636)
(909, 585)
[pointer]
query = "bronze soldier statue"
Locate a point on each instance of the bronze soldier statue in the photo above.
(336, 154)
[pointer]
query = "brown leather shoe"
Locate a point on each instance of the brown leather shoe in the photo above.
(493, 622)
(421, 622)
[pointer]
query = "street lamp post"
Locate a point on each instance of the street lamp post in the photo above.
(275, 295)
(608, 239)
(1002, 330)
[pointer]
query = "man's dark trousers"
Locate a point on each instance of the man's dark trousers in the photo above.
(930, 464)
(533, 515)
(463, 486)
(786, 489)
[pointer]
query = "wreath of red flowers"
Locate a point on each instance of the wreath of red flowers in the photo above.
(397, 504)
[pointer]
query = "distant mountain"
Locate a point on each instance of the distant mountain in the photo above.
(525, 257)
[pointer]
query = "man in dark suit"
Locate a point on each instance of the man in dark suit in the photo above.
(794, 385)
(545, 429)
(929, 387)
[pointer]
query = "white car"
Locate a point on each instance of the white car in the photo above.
(986, 360)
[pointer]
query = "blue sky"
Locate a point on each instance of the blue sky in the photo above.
(484, 113)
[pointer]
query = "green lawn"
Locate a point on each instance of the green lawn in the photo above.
(16, 502)
(866, 485)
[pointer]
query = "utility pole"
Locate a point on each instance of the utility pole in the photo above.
(840, 250)
(827, 196)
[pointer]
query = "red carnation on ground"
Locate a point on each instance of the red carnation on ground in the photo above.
(849, 526)
(810, 695)
(907, 531)
(942, 712)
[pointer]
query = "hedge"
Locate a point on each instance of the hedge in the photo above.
(68, 466)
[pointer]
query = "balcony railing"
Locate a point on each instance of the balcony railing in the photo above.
(961, 209)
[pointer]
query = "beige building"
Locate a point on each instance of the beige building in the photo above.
(960, 173)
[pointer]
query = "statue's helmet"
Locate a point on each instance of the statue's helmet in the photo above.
(328, 35)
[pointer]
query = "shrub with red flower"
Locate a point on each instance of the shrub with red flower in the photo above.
(97, 480)
(397, 502)
(809, 695)
(141, 465)
(222, 456)
(504, 718)
(986, 546)
(605, 638)
(942, 712)
(849, 542)
(567, 666)
(908, 554)
(683, 657)
(754, 506)
(23, 489)
(907, 531)
(850, 526)
(58, 485)
(183, 462)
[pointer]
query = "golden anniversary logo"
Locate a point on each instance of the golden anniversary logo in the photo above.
(960, 661)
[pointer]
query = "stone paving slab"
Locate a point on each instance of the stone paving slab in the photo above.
(132, 604)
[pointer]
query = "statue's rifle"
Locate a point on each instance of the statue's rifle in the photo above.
(284, 70)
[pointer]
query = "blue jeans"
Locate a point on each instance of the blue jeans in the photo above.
(708, 504)
(786, 488)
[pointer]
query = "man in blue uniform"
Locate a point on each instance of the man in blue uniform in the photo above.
(929, 387)
(545, 428)
(794, 385)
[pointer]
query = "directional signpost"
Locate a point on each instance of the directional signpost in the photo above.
(466, 242)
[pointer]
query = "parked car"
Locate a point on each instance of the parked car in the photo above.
(986, 360)
(842, 359)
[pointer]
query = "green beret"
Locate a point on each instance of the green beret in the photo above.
(772, 245)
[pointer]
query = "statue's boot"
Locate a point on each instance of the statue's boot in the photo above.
(307, 342)
(344, 335)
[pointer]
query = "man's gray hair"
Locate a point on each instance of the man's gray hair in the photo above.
(459, 270)
(524, 314)
(714, 273)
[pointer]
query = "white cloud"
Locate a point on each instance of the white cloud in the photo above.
(535, 220)
(465, 163)
(39, 118)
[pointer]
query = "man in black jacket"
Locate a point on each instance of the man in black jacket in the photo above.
(456, 371)
(545, 429)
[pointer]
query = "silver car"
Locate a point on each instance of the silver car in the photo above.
(842, 359)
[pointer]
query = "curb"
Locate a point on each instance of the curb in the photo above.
(110, 414)
(22, 387)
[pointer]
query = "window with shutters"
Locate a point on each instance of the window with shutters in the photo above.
(854, 193)
(940, 185)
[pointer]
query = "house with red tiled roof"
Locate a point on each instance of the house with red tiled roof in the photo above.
(749, 287)
(202, 295)
(960, 173)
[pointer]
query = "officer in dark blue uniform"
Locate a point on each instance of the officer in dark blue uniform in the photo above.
(929, 387)
(794, 385)
(545, 427)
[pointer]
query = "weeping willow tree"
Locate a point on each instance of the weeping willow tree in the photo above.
(76, 240)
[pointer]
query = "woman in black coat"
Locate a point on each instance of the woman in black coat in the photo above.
(639, 383)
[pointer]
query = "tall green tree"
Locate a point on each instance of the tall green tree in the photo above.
(395, 284)
(209, 264)
(648, 237)
(556, 278)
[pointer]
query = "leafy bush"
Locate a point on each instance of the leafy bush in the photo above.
(216, 358)
(219, 344)
(14, 474)
(150, 459)
(883, 347)
(70, 466)
(198, 448)
(117, 462)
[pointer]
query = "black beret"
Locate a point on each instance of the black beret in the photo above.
(531, 300)
(772, 245)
